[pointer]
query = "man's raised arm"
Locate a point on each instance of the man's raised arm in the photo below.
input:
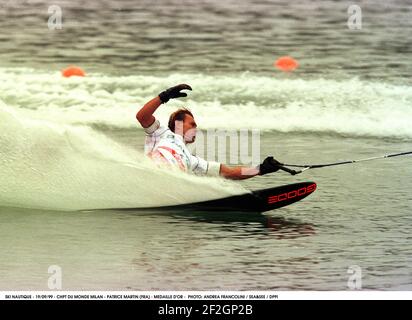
(145, 114)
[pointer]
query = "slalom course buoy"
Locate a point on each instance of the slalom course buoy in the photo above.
(286, 64)
(73, 71)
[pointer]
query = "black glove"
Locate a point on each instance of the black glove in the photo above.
(174, 92)
(269, 165)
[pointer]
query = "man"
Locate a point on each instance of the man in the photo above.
(168, 144)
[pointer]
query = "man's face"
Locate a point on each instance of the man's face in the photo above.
(189, 129)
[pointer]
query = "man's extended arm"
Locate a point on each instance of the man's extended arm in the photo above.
(269, 165)
(238, 173)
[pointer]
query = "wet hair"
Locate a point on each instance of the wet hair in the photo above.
(178, 115)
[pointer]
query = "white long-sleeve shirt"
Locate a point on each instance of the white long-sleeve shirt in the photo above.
(166, 147)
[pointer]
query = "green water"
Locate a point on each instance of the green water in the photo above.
(360, 215)
(68, 144)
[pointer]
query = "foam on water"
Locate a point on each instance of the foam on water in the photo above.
(286, 104)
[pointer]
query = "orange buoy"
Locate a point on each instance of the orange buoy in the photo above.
(286, 63)
(73, 71)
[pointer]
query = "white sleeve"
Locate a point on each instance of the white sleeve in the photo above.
(213, 169)
(203, 167)
(153, 127)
